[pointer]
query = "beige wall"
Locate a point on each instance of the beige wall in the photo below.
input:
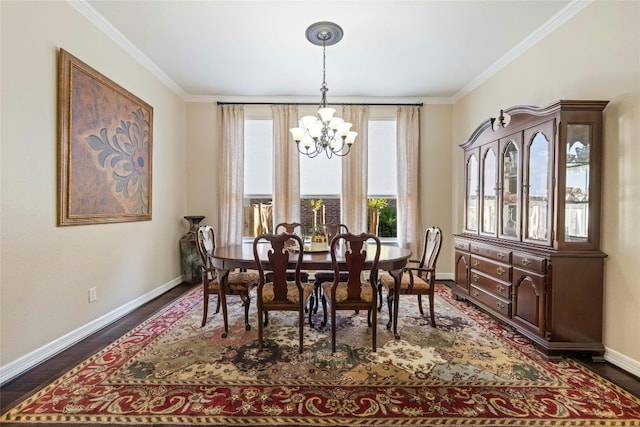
(202, 161)
(47, 270)
(595, 55)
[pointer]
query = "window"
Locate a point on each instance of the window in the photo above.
(258, 157)
(258, 176)
(382, 177)
(319, 177)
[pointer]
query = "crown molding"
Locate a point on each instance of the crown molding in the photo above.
(105, 26)
(568, 12)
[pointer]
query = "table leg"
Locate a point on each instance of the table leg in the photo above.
(397, 275)
(223, 282)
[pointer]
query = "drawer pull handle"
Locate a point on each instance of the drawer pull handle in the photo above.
(476, 263)
(475, 248)
(476, 278)
(475, 293)
(500, 255)
(526, 262)
(499, 305)
(500, 271)
(500, 288)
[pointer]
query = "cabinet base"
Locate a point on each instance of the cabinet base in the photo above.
(549, 350)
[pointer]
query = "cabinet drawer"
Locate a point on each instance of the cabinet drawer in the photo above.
(463, 245)
(490, 284)
(492, 252)
(492, 268)
(529, 262)
(492, 302)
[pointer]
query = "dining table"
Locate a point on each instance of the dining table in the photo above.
(227, 258)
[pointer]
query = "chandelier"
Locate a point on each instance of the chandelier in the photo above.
(326, 132)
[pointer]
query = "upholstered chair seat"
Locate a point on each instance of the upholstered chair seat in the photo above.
(293, 296)
(405, 283)
(342, 291)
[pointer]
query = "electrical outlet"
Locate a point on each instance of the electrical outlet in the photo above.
(93, 294)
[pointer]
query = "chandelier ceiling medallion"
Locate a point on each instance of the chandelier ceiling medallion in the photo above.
(326, 132)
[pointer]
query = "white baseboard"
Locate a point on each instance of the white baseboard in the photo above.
(445, 276)
(623, 362)
(30, 360)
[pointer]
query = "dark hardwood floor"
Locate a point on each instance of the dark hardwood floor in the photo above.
(27, 383)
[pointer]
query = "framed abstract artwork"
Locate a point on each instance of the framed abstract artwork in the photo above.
(105, 140)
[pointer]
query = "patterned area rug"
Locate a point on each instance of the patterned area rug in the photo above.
(469, 370)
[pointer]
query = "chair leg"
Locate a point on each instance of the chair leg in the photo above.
(324, 311)
(266, 318)
(333, 328)
(246, 301)
(301, 326)
(420, 305)
(260, 329)
(379, 296)
(312, 303)
(217, 305)
(433, 315)
(390, 297)
(316, 291)
(205, 308)
(374, 328)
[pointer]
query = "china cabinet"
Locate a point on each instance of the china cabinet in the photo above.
(529, 251)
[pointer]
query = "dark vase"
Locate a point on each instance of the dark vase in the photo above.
(191, 261)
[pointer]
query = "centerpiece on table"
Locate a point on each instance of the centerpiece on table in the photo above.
(319, 240)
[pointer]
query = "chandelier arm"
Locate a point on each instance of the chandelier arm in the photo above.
(308, 153)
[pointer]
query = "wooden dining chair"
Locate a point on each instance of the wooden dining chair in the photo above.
(418, 279)
(356, 292)
(297, 229)
(321, 277)
(289, 227)
(280, 294)
(239, 283)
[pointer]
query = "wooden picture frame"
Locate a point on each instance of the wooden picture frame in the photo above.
(105, 141)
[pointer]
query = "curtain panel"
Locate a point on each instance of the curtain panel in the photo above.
(408, 140)
(232, 173)
(355, 170)
(286, 191)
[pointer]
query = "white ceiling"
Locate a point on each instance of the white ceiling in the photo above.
(397, 49)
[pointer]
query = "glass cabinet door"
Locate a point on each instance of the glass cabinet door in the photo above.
(489, 191)
(472, 190)
(578, 152)
(511, 182)
(538, 190)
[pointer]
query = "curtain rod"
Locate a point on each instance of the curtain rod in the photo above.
(420, 104)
